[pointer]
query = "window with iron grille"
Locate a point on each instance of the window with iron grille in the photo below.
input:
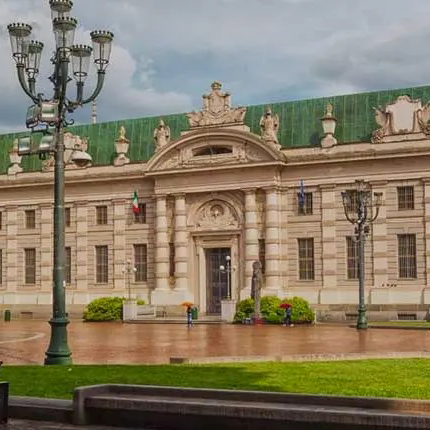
(140, 263)
(1, 266)
(306, 259)
(405, 198)
(262, 254)
(67, 216)
(407, 249)
(171, 259)
(102, 264)
(352, 257)
(30, 218)
(352, 201)
(30, 265)
(305, 207)
(68, 266)
(102, 215)
(140, 217)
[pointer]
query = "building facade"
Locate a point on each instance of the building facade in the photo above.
(225, 181)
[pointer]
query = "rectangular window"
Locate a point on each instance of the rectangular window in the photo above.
(171, 259)
(1, 220)
(140, 217)
(102, 264)
(352, 201)
(305, 206)
(67, 216)
(306, 259)
(405, 198)
(407, 249)
(30, 219)
(140, 263)
(1, 266)
(262, 254)
(30, 265)
(102, 215)
(68, 266)
(352, 257)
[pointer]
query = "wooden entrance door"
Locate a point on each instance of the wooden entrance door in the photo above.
(216, 282)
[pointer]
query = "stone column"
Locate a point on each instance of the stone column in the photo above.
(251, 237)
(81, 252)
(119, 245)
(11, 255)
(328, 236)
(46, 253)
(273, 240)
(181, 245)
(161, 246)
(379, 235)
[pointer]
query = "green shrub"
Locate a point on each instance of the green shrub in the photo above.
(271, 311)
(301, 312)
(105, 309)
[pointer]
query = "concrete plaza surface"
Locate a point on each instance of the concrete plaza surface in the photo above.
(39, 425)
(25, 342)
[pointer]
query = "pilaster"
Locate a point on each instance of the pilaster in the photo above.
(181, 244)
(81, 246)
(119, 243)
(251, 235)
(379, 236)
(12, 248)
(161, 245)
(328, 235)
(426, 185)
(46, 246)
(273, 240)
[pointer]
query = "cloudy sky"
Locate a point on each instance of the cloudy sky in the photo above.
(167, 52)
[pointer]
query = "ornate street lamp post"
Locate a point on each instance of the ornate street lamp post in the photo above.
(48, 116)
(128, 270)
(362, 203)
(227, 270)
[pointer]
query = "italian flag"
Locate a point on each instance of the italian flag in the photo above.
(135, 203)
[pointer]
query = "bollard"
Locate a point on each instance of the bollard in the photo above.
(7, 315)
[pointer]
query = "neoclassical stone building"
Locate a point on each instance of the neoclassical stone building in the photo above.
(225, 181)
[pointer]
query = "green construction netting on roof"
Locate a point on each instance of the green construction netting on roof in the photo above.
(300, 126)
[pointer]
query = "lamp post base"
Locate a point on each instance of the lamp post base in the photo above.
(58, 352)
(362, 319)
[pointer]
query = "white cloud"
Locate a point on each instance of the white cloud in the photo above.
(167, 52)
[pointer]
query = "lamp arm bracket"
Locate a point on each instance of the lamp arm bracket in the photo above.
(24, 86)
(100, 81)
(376, 215)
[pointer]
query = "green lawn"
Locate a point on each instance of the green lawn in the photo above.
(402, 323)
(408, 378)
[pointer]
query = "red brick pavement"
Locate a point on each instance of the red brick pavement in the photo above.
(117, 343)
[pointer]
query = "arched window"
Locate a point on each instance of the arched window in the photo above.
(213, 150)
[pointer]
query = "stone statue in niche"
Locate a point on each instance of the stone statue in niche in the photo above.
(269, 126)
(216, 110)
(161, 135)
(256, 285)
(122, 145)
(399, 118)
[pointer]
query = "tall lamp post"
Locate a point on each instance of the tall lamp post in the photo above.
(227, 269)
(362, 203)
(48, 117)
(128, 270)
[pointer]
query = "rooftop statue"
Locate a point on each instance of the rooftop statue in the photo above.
(161, 135)
(269, 126)
(216, 110)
